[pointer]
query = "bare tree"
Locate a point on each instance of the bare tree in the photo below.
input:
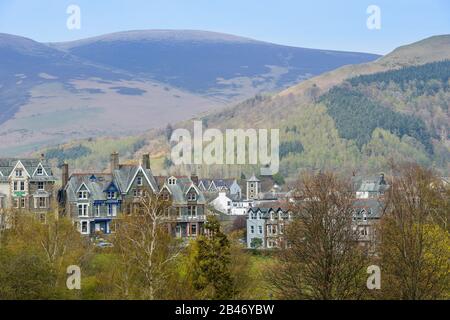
(323, 259)
(6, 217)
(146, 248)
(415, 242)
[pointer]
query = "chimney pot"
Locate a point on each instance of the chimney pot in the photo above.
(146, 161)
(114, 161)
(65, 174)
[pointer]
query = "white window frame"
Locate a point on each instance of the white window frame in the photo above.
(83, 195)
(97, 211)
(192, 211)
(85, 209)
(45, 203)
(87, 226)
(192, 196)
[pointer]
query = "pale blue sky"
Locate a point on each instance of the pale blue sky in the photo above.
(326, 24)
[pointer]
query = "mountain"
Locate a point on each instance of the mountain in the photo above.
(126, 83)
(25, 63)
(210, 63)
(363, 115)
(358, 116)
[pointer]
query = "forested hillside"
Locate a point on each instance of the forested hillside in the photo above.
(401, 114)
(361, 122)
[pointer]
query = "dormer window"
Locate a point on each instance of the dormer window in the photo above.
(39, 171)
(140, 182)
(172, 181)
(111, 195)
(19, 173)
(82, 195)
(192, 196)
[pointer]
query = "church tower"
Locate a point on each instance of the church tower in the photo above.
(253, 188)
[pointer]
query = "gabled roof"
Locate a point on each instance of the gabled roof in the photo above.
(19, 165)
(125, 175)
(373, 184)
(96, 186)
(7, 166)
(219, 184)
(36, 169)
(253, 178)
(265, 212)
(180, 190)
(372, 207)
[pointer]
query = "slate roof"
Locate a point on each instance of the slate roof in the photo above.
(372, 207)
(266, 211)
(124, 175)
(179, 191)
(95, 186)
(7, 165)
(374, 184)
(219, 183)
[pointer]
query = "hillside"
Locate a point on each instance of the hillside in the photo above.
(210, 63)
(355, 117)
(127, 83)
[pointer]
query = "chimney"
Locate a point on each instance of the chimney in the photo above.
(146, 161)
(42, 157)
(114, 161)
(194, 179)
(65, 174)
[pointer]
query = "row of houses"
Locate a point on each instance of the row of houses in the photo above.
(95, 200)
(268, 218)
(27, 184)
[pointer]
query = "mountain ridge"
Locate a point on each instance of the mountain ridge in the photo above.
(147, 73)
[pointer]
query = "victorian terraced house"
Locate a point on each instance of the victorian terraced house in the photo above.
(96, 200)
(27, 184)
(188, 212)
(266, 227)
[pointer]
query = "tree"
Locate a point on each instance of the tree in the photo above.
(239, 224)
(278, 179)
(25, 275)
(256, 243)
(415, 242)
(212, 273)
(146, 249)
(54, 239)
(46, 247)
(7, 221)
(323, 259)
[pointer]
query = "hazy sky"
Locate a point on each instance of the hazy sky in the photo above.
(326, 24)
